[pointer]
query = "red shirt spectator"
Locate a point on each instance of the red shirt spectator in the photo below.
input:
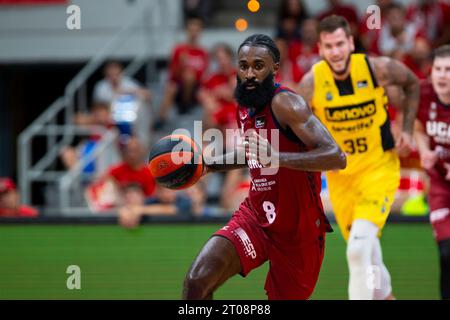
(304, 56)
(216, 93)
(226, 113)
(9, 201)
(289, 74)
(188, 63)
(419, 59)
(421, 71)
(303, 53)
(124, 175)
(188, 57)
(20, 212)
(107, 192)
(133, 169)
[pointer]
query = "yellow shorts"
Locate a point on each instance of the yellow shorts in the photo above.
(367, 195)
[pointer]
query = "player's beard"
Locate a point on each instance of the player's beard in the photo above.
(344, 70)
(259, 96)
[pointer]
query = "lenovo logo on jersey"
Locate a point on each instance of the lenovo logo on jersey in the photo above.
(349, 113)
(245, 240)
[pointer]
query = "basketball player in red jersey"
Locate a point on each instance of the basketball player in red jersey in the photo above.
(433, 142)
(282, 219)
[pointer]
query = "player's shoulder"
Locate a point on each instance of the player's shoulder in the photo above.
(284, 96)
(389, 70)
(379, 60)
(379, 65)
(287, 105)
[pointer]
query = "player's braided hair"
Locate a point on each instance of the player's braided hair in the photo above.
(262, 40)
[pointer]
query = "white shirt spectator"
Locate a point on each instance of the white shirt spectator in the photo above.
(388, 43)
(104, 91)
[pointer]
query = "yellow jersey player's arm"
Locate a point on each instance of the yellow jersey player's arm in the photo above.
(306, 87)
(292, 111)
(391, 72)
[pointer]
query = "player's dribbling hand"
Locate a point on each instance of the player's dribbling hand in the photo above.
(428, 159)
(261, 150)
(404, 144)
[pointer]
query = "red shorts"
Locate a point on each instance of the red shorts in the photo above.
(294, 269)
(439, 201)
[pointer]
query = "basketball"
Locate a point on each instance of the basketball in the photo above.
(176, 162)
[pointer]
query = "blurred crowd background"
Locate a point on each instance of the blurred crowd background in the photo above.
(102, 134)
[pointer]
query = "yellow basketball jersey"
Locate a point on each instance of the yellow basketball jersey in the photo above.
(355, 112)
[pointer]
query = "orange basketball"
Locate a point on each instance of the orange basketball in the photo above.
(176, 162)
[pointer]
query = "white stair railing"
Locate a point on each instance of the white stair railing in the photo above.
(29, 171)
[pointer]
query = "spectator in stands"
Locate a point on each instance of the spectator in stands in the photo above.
(188, 63)
(216, 92)
(128, 100)
(432, 17)
(369, 37)
(305, 53)
(291, 14)
(10, 201)
(397, 37)
(99, 117)
(116, 84)
(235, 189)
(201, 8)
(419, 59)
(197, 199)
(289, 73)
(132, 170)
(134, 205)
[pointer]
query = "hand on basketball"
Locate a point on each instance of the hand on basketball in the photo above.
(404, 144)
(261, 150)
(428, 159)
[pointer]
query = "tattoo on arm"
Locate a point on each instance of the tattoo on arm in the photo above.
(306, 87)
(395, 72)
(323, 153)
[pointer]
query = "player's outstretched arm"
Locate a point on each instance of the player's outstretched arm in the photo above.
(292, 111)
(388, 72)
